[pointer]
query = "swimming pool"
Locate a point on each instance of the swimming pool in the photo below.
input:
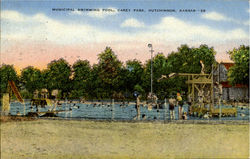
(117, 111)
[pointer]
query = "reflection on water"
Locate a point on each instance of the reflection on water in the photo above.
(116, 111)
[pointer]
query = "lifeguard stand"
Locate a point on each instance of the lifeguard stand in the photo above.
(200, 91)
(201, 94)
(43, 100)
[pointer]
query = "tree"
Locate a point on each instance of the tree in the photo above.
(239, 73)
(81, 78)
(133, 74)
(187, 60)
(57, 76)
(7, 73)
(159, 68)
(96, 85)
(109, 68)
(31, 78)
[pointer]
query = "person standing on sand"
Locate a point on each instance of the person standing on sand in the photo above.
(138, 106)
(172, 102)
(220, 92)
(180, 104)
(189, 102)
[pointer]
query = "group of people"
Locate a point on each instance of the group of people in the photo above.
(177, 102)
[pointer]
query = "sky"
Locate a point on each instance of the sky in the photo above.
(33, 32)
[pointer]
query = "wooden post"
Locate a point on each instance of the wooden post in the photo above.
(24, 108)
(6, 104)
(220, 106)
(192, 90)
(66, 113)
(191, 110)
(212, 90)
(113, 109)
(165, 108)
(189, 91)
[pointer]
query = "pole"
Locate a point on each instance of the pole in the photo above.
(219, 89)
(66, 112)
(165, 108)
(151, 50)
(212, 89)
(151, 72)
(24, 107)
(220, 107)
(113, 109)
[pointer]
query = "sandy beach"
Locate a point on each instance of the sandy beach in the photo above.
(91, 139)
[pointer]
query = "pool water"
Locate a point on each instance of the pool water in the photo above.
(117, 111)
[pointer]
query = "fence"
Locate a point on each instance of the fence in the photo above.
(111, 110)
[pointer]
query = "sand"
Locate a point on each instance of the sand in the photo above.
(67, 139)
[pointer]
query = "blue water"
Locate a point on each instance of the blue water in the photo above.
(117, 112)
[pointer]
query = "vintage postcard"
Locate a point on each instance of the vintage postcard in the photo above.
(124, 79)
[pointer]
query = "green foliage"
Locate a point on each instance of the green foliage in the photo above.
(57, 76)
(96, 86)
(133, 74)
(186, 60)
(110, 77)
(159, 68)
(7, 73)
(239, 73)
(139, 89)
(26, 94)
(109, 68)
(81, 79)
(31, 78)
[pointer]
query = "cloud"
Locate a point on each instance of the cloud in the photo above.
(215, 16)
(134, 23)
(174, 28)
(12, 16)
(39, 27)
(103, 12)
(42, 28)
(220, 17)
(247, 22)
(46, 38)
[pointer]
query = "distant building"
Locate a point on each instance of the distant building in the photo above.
(239, 92)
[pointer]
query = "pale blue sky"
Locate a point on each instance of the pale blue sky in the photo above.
(232, 9)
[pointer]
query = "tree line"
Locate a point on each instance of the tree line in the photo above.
(111, 78)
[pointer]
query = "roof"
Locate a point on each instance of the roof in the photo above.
(227, 85)
(227, 64)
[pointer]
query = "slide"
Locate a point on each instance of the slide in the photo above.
(15, 91)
